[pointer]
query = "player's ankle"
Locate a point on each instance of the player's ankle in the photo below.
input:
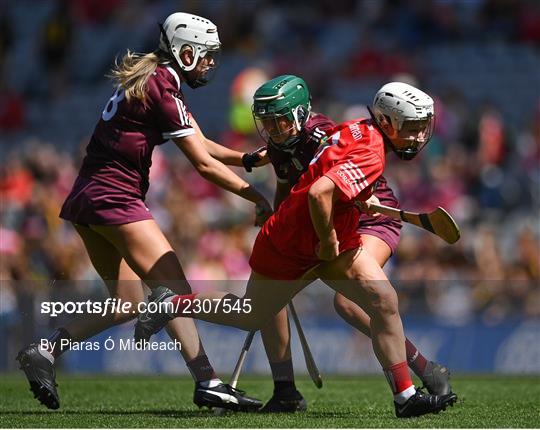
(402, 397)
(210, 383)
(281, 387)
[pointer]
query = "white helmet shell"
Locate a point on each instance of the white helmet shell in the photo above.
(402, 102)
(197, 32)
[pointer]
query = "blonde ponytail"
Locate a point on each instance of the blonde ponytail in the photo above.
(133, 72)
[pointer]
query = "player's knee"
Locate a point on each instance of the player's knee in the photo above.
(385, 303)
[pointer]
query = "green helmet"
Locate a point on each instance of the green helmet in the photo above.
(281, 107)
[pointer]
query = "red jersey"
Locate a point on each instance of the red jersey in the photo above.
(120, 151)
(353, 157)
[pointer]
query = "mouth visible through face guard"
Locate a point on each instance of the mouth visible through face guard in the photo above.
(412, 137)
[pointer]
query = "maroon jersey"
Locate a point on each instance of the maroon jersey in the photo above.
(113, 179)
(289, 165)
(120, 150)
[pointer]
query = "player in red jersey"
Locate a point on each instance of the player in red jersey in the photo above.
(106, 204)
(317, 226)
(282, 111)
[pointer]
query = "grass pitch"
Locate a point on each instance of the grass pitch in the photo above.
(345, 402)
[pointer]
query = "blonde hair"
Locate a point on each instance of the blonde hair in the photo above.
(133, 71)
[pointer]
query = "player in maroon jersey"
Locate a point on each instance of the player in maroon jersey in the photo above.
(106, 204)
(317, 226)
(291, 146)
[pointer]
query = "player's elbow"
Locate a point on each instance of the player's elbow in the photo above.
(204, 169)
(319, 191)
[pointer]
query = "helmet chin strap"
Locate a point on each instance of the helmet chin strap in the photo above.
(406, 154)
(199, 81)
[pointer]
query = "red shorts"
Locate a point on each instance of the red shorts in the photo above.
(282, 257)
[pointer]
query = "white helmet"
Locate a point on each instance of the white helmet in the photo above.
(180, 29)
(406, 107)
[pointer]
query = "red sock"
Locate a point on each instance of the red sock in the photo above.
(417, 362)
(398, 377)
(183, 301)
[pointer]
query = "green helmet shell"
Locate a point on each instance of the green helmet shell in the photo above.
(285, 96)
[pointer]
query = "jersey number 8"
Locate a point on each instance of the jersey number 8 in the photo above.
(112, 105)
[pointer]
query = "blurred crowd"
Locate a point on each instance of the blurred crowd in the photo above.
(482, 167)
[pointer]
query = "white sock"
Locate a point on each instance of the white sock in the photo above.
(401, 398)
(211, 383)
(46, 354)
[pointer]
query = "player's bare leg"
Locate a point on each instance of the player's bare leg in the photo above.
(263, 298)
(434, 376)
(358, 276)
(151, 256)
(371, 290)
(122, 283)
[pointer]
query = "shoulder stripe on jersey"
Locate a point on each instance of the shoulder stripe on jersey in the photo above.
(178, 133)
(175, 75)
(182, 112)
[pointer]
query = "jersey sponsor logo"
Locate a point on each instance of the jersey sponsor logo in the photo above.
(352, 175)
(355, 131)
(182, 112)
(334, 139)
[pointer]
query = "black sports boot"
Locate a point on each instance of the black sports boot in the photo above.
(150, 323)
(40, 374)
(226, 397)
(421, 404)
(436, 379)
(285, 401)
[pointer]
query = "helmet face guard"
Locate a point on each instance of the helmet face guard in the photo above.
(416, 131)
(199, 79)
(410, 112)
(281, 107)
(281, 130)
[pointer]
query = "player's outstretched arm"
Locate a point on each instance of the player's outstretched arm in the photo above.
(322, 195)
(216, 172)
(229, 156)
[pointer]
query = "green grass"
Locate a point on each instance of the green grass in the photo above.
(344, 402)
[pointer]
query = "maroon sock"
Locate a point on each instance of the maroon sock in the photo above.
(398, 377)
(55, 346)
(283, 375)
(417, 362)
(183, 301)
(201, 369)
